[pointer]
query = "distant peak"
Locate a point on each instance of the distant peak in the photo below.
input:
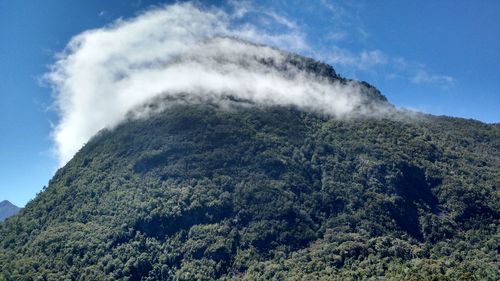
(7, 209)
(7, 203)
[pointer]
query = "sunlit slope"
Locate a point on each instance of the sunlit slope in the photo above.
(199, 192)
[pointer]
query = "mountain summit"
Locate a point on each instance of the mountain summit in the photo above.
(231, 189)
(7, 209)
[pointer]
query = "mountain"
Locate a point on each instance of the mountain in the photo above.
(200, 191)
(7, 209)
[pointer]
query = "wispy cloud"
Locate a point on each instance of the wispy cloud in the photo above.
(336, 36)
(104, 74)
(344, 44)
(421, 76)
(345, 19)
(383, 65)
(364, 60)
(348, 30)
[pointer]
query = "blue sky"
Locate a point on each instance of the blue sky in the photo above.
(439, 57)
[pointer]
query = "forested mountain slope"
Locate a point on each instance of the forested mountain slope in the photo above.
(262, 193)
(227, 188)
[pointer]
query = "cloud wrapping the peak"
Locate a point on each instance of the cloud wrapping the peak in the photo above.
(105, 73)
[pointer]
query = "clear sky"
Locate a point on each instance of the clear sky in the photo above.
(439, 57)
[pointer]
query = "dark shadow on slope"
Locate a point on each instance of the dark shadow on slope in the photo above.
(149, 162)
(161, 227)
(415, 191)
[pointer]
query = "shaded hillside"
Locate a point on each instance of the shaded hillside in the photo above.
(7, 209)
(199, 193)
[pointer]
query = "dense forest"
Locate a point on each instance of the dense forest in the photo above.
(200, 192)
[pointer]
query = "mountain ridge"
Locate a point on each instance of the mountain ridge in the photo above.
(7, 209)
(207, 191)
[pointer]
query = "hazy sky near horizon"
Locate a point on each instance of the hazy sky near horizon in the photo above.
(439, 57)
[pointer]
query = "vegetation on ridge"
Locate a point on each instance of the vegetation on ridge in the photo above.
(199, 193)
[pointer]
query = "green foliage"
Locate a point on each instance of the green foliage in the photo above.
(200, 193)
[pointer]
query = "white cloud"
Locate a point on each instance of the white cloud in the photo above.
(282, 20)
(336, 36)
(364, 60)
(347, 30)
(423, 77)
(378, 62)
(105, 73)
(335, 9)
